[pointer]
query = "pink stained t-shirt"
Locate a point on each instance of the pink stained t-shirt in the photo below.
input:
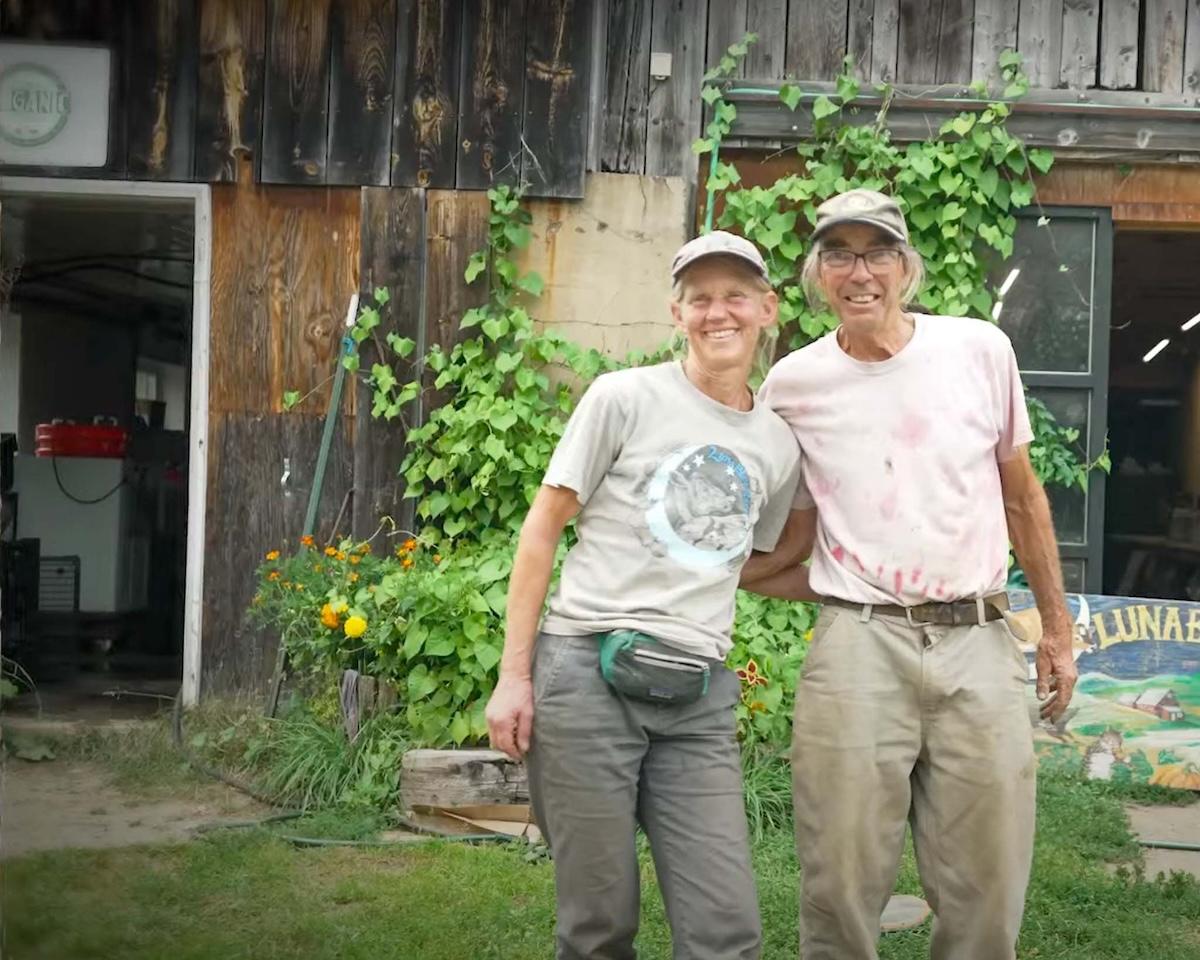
(901, 458)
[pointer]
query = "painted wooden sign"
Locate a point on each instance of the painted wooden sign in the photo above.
(1135, 715)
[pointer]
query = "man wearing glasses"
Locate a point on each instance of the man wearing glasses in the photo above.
(911, 704)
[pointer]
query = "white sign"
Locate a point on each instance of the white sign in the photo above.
(54, 104)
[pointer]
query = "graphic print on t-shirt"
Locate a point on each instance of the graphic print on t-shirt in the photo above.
(698, 506)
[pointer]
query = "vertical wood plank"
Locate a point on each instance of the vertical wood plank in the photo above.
(1162, 45)
(1080, 43)
(860, 24)
(954, 42)
(492, 93)
(456, 226)
(361, 81)
(678, 27)
(726, 25)
(916, 59)
(428, 48)
(1119, 44)
(816, 38)
(1191, 49)
(768, 19)
(392, 243)
(596, 82)
(885, 41)
(626, 85)
(995, 32)
(295, 124)
(230, 88)
(556, 96)
(162, 90)
(1039, 41)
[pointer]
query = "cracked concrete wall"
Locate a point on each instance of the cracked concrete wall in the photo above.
(606, 260)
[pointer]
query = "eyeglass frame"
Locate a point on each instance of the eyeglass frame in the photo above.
(897, 252)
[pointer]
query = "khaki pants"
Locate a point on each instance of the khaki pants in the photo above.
(599, 765)
(928, 724)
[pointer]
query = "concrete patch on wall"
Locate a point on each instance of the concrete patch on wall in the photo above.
(606, 260)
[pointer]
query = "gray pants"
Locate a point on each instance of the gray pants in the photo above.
(599, 765)
(929, 724)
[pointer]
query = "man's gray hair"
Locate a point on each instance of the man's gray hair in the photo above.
(810, 275)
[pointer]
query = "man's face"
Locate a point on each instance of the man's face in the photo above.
(862, 290)
(721, 311)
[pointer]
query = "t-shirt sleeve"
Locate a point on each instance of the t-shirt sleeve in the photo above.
(590, 443)
(775, 509)
(1013, 415)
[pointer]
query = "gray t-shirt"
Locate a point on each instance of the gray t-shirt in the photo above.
(676, 488)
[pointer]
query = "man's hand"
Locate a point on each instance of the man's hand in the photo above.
(1056, 671)
(509, 715)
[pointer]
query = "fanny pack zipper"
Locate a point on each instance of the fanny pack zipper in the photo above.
(671, 663)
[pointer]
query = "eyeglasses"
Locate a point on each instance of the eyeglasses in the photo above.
(877, 260)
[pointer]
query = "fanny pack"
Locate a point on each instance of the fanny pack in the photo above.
(639, 667)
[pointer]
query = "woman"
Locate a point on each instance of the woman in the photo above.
(622, 706)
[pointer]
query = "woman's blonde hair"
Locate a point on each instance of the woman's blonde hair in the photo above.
(810, 275)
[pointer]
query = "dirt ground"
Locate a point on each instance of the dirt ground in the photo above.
(55, 804)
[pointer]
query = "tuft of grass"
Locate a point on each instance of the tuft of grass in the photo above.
(767, 787)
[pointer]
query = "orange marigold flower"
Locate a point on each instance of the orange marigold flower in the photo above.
(329, 617)
(437, 558)
(273, 575)
(356, 559)
(353, 577)
(306, 540)
(365, 548)
(406, 562)
(331, 551)
(410, 544)
(273, 555)
(339, 555)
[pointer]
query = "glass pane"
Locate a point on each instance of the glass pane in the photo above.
(1069, 506)
(1073, 575)
(1047, 310)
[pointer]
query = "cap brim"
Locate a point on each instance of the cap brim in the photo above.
(758, 268)
(869, 221)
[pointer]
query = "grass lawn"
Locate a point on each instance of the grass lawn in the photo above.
(249, 894)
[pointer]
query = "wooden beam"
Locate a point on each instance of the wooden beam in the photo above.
(492, 93)
(361, 80)
(768, 19)
(1119, 44)
(918, 46)
(1191, 50)
(392, 243)
(816, 38)
(860, 24)
(295, 124)
(424, 139)
(162, 90)
(230, 89)
(1039, 41)
(1080, 41)
(679, 28)
(626, 84)
(557, 68)
(885, 42)
(1163, 45)
(995, 32)
(954, 42)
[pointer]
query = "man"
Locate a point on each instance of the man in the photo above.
(911, 703)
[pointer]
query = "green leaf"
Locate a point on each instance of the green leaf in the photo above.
(460, 729)
(454, 526)
(963, 123)
(492, 328)
(518, 234)
(1042, 159)
(487, 655)
(532, 283)
(475, 266)
(290, 398)
(988, 180)
(824, 107)
(402, 345)
(710, 95)
(1010, 58)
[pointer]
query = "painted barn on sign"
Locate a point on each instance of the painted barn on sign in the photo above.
(1159, 701)
(215, 179)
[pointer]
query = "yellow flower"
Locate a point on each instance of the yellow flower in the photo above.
(406, 562)
(318, 568)
(341, 606)
(353, 577)
(340, 555)
(365, 548)
(355, 560)
(307, 540)
(273, 555)
(331, 551)
(371, 588)
(437, 558)
(287, 584)
(273, 575)
(355, 626)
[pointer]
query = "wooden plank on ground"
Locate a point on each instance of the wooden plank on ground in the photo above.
(885, 41)
(392, 242)
(452, 778)
(295, 123)
(1191, 49)
(230, 88)
(768, 19)
(1080, 43)
(428, 46)
(816, 39)
(1163, 45)
(362, 62)
(492, 93)
(456, 226)
(679, 28)
(1039, 41)
(626, 85)
(1119, 44)
(995, 32)
(557, 68)
(162, 90)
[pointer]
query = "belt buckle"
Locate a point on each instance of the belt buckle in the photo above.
(908, 615)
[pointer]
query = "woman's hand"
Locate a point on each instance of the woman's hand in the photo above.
(509, 715)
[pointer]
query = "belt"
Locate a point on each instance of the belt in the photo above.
(955, 613)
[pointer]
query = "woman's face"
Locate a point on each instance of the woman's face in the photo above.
(722, 312)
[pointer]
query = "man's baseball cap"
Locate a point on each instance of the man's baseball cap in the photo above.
(722, 243)
(862, 206)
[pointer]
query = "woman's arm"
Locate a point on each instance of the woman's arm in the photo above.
(788, 584)
(510, 710)
(794, 547)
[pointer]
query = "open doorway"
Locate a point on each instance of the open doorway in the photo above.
(102, 527)
(1152, 510)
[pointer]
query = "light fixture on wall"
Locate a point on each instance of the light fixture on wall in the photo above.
(1009, 280)
(1156, 350)
(1188, 324)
